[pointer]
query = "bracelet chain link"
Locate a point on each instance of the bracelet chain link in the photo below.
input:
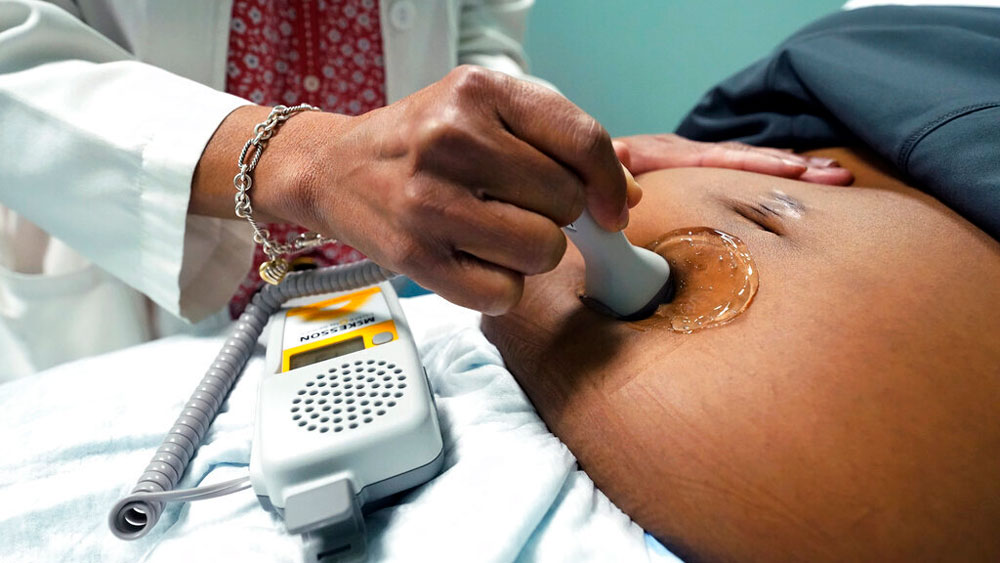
(274, 269)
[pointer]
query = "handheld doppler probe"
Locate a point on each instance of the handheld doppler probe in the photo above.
(627, 280)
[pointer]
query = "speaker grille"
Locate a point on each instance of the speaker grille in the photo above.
(348, 396)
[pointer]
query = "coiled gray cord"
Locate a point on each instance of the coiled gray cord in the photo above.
(133, 516)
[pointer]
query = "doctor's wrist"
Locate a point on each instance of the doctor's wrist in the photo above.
(284, 179)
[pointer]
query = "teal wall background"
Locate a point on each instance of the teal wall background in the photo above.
(639, 65)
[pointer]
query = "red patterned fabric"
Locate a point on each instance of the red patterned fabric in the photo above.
(327, 53)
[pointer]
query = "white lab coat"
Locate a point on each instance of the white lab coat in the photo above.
(105, 108)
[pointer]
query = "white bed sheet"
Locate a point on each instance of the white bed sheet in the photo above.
(74, 438)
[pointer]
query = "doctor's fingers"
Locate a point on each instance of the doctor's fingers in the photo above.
(555, 127)
(470, 251)
(483, 286)
(469, 281)
(502, 167)
(490, 246)
(507, 236)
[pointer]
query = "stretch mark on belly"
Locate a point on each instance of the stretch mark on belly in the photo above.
(714, 275)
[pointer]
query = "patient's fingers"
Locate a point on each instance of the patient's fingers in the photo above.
(818, 169)
(738, 156)
(813, 162)
(646, 153)
(833, 176)
(622, 152)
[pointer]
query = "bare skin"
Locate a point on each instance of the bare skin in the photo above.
(851, 413)
(463, 185)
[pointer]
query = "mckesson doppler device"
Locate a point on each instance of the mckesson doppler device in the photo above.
(345, 415)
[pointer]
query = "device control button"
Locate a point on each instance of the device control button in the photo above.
(382, 338)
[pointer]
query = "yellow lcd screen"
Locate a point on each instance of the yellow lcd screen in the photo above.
(322, 353)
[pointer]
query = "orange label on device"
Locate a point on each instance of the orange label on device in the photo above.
(336, 327)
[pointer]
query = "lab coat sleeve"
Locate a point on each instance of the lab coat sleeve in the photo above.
(491, 35)
(99, 150)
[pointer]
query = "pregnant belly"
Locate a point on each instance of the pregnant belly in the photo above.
(865, 373)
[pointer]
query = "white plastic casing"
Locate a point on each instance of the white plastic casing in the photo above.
(291, 458)
(624, 278)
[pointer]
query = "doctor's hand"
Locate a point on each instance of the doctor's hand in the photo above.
(462, 186)
(645, 153)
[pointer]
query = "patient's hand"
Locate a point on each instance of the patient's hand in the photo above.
(646, 153)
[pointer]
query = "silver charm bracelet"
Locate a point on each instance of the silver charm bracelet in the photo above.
(274, 269)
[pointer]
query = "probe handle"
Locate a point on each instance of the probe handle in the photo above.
(625, 278)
